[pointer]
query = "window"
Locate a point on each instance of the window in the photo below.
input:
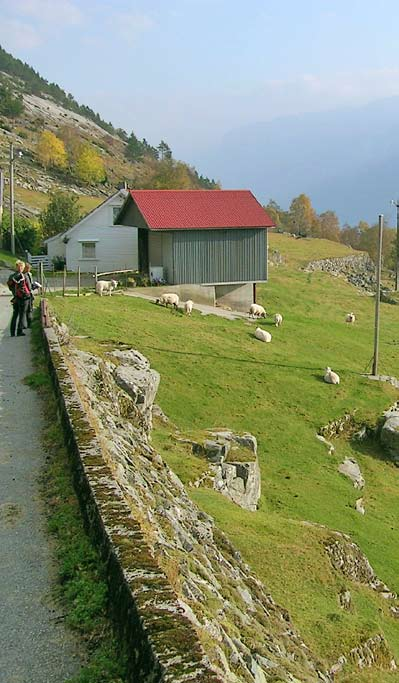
(88, 250)
(115, 211)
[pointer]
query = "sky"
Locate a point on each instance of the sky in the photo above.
(190, 71)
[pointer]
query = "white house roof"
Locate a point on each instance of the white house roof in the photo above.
(120, 193)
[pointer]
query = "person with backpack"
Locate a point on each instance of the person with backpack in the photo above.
(20, 290)
(33, 285)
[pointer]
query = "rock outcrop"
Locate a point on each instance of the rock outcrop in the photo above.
(390, 433)
(351, 469)
(358, 270)
(234, 468)
(347, 558)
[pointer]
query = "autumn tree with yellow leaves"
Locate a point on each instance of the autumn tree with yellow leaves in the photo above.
(50, 151)
(89, 166)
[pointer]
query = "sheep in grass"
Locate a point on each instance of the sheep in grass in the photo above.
(331, 377)
(104, 286)
(166, 299)
(188, 307)
(278, 319)
(263, 335)
(350, 318)
(256, 311)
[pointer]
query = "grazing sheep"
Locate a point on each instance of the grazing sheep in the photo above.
(262, 335)
(188, 307)
(278, 319)
(105, 286)
(350, 318)
(331, 377)
(166, 299)
(256, 311)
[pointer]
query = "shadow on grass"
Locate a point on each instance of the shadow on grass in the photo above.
(320, 377)
(371, 447)
(195, 354)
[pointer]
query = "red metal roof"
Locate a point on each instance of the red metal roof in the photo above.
(200, 209)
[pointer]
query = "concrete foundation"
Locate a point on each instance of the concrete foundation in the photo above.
(200, 294)
(238, 297)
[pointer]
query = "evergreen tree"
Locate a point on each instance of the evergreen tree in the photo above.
(164, 151)
(134, 150)
(10, 106)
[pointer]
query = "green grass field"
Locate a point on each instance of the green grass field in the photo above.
(214, 373)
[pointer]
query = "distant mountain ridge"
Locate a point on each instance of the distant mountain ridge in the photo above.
(346, 160)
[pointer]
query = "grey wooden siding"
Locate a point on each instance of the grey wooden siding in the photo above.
(217, 256)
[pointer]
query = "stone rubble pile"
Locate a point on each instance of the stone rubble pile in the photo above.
(358, 270)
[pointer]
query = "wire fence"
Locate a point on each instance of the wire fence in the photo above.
(68, 282)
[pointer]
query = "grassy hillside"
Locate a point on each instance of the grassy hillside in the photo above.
(39, 200)
(214, 373)
(46, 107)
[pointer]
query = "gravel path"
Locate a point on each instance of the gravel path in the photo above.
(35, 646)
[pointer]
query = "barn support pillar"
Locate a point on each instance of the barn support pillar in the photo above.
(238, 297)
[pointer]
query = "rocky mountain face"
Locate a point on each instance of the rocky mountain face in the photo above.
(42, 111)
(32, 181)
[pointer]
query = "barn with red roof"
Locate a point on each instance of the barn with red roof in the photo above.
(210, 238)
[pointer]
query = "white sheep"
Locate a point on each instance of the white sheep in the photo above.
(188, 307)
(350, 318)
(331, 377)
(106, 286)
(166, 299)
(278, 319)
(263, 335)
(256, 311)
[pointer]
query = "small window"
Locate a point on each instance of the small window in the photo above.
(88, 250)
(115, 211)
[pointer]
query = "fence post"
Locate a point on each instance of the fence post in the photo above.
(95, 275)
(64, 281)
(78, 280)
(41, 275)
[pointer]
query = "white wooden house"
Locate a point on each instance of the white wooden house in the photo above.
(96, 242)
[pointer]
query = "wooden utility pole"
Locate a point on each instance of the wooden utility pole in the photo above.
(12, 228)
(397, 248)
(378, 295)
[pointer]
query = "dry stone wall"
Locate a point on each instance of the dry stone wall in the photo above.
(359, 270)
(187, 604)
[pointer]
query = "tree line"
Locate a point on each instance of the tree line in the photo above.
(68, 153)
(302, 220)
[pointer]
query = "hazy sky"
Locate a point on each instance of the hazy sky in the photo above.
(189, 70)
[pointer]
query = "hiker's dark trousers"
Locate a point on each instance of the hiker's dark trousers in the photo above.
(29, 311)
(18, 320)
